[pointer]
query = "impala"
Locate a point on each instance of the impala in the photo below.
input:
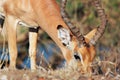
(53, 20)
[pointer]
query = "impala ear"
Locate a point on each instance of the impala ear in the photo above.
(63, 35)
(91, 34)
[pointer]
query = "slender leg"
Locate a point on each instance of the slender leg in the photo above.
(10, 25)
(33, 34)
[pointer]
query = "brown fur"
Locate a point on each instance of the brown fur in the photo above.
(46, 14)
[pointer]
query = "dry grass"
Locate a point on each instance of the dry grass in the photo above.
(105, 68)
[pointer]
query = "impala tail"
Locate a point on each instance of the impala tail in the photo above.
(2, 18)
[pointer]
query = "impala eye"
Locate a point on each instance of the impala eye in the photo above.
(77, 57)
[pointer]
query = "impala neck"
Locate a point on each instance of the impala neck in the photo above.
(50, 20)
(47, 15)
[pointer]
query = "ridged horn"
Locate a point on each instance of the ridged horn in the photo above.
(75, 31)
(103, 21)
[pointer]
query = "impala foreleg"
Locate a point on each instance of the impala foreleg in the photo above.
(33, 34)
(10, 25)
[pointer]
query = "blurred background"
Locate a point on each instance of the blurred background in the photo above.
(83, 15)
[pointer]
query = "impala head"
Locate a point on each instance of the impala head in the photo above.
(81, 46)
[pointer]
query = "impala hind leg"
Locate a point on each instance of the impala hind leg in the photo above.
(33, 34)
(10, 25)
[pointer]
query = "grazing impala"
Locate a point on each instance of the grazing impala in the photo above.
(47, 15)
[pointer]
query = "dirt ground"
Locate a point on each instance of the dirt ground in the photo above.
(107, 68)
(59, 74)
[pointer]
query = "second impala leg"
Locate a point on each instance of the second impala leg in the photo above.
(10, 25)
(33, 34)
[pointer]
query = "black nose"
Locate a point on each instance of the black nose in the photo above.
(77, 57)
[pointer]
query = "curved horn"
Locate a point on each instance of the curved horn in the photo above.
(103, 20)
(75, 31)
